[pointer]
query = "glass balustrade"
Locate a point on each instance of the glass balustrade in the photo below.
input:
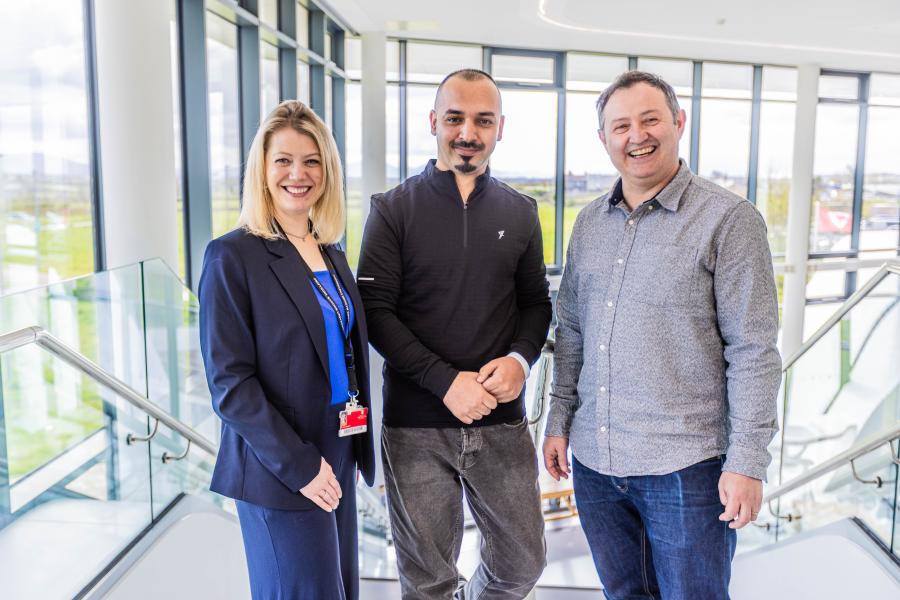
(68, 473)
(74, 483)
(842, 391)
(66, 459)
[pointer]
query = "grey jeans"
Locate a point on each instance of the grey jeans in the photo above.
(425, 471)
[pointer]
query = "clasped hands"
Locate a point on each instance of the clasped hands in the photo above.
(473, 396)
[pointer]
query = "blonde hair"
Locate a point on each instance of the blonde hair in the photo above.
(257, 207)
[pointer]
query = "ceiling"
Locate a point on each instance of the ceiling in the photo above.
(858, 35)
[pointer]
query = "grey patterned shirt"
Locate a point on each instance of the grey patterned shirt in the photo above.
(665, 347)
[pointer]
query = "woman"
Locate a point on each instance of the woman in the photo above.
(284, 344)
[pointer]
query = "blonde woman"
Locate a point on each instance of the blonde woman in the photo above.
(284, 343)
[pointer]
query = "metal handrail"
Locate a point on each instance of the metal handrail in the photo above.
(543, 378)
(40, 337)
(891, 266)
(847, 456)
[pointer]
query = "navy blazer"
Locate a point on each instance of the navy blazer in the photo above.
(262, 335)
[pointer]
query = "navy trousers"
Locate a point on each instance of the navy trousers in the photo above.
(657, 536)
(304, 554)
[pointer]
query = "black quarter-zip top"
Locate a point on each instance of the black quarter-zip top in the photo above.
(434, 308)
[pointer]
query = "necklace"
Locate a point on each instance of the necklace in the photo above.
(303, 237)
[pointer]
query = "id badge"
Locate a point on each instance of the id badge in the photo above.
(353, 420)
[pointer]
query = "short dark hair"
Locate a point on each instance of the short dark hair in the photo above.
(631, 78)
(466, 75)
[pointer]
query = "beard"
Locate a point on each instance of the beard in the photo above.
(466, 166)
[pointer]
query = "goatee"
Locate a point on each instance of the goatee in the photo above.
(465, 168)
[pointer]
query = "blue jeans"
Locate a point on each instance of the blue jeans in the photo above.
(657, 536)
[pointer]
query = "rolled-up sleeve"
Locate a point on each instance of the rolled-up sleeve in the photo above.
(747, 313)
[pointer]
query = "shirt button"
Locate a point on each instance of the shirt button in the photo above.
(631, 221)
(609, 304)
(603, 429)
(620, 261)
(650, 207)
(602, 388)
(602, 348)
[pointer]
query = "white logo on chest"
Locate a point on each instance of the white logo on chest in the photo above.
(500, 234)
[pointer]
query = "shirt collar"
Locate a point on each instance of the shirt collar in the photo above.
(669, 197)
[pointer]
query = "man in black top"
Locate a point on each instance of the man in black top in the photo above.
(454, 285)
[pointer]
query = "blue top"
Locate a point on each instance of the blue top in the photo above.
(335, 337)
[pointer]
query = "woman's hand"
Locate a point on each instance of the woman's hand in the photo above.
(324, 489)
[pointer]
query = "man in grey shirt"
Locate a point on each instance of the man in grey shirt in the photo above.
(666, 370)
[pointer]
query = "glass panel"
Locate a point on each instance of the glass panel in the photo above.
(725, 143)
(677, 73)
(844, 389)
(881, 187)
(839, 495)
(377, 559)
(773, 186)
(727, 81)
(353, 57)
(392, 135)
(268, 12)
(420, 143)
(589, 172)
(328, 43)
(884, 89)
(353, 171)
(834, 166)
(45, 199)
(826, 283)
(839, 86)
(525, 69)
(430, 63)
(592, 72)
(188, 475)
(392, 60)
(72, 474)
(174, 362)
(779, 83)
(224, 134)
(526, 156)
(269, 76)
(303, 82)
(302, 26)
(98, 315)
(76, 488)
(864, 275)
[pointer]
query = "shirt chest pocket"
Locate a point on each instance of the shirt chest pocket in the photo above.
(662, 274)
